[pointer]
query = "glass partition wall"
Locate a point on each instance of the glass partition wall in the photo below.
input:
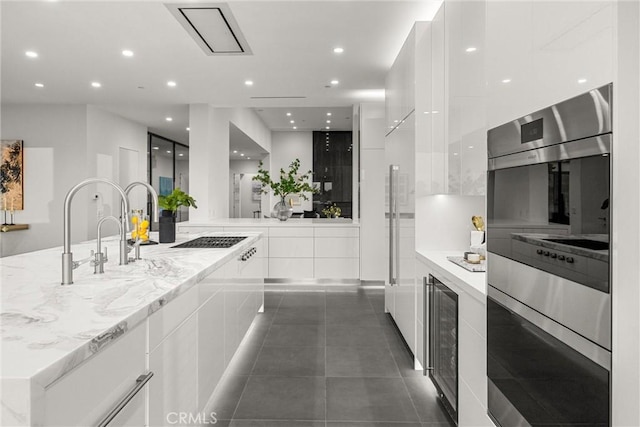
(168, 169)
(333, 171)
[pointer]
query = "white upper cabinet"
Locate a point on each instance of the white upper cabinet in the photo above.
(400, 90)
(549, 52)
(459, 160)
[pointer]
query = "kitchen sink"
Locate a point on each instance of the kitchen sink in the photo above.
(211, 242)
(595, 245)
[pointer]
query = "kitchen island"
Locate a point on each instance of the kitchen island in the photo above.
(69, 353)
(299, 248)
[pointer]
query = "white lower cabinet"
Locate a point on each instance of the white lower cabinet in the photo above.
(88, 393)
(169, 365)
(174, 363)
(472, 344)
(211, 361)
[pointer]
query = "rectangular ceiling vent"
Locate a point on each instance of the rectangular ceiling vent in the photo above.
(212, 26)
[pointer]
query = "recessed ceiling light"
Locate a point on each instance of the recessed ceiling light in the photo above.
(426, 112)
(471, 146)
(171, 83)
(292, 121)
(582, 81)
(506, 81)
(288, 114)
(181, 154)
(334, 82)
(396, 121)
(471, 49)
(127, 53)
(31, 54)
(235, 151)
(435, 112)
(248, 82)
(338, 50)
(328, 121)
(169, 119)
(295, 127)
(39, 85)
(156, 148)
(248, 158)
(168, 151)
(188, 129)
(96, 84)
(327, 127)
(328, 114)
(241, 154)
(455, 154)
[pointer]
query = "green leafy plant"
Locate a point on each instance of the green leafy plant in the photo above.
(291, 182)
(176, 199)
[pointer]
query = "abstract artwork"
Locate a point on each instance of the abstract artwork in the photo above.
(11, 175)
(166, 186)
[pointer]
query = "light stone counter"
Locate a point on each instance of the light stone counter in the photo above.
(474, 283)
(48, 329)
(273, 222)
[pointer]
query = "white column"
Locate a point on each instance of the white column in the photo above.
(625, 211)
(208, 162)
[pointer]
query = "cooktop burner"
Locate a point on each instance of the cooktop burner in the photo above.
(211, 242)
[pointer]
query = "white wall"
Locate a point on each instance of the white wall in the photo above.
(107, 136)
(54, 161)
(209, 145)
(373, 260)
(285, 148)
(65, 144)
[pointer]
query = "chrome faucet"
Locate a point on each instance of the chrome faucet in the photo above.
(100, 257)
(67, 256)
(153, 214)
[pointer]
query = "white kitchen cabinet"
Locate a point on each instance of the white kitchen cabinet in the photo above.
(290, 268)
(459, 161)
(472, 341)
(399, 86)
(546, 49)
(175, 365)
(86, 394)
(211, 361)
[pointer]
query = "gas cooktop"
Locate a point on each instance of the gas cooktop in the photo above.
(211, 242)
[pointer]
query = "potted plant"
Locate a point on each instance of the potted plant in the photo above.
(170, 204)
(291, 182)
(332, 211)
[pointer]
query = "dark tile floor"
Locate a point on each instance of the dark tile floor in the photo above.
(325, 358)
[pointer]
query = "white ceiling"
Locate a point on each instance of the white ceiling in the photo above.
(79, 42)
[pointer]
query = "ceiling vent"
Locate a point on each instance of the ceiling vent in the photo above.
(212, 26)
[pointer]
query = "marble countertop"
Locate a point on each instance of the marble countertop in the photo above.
(273, 222)
(538, 240)
(48, 329)
(474, 283)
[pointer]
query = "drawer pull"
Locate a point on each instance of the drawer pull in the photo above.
(140, 383)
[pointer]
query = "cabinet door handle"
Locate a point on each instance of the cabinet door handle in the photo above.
(141, 381)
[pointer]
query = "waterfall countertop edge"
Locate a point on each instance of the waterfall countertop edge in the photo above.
(48, 329)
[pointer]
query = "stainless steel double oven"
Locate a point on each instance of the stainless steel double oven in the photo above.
(549, 295)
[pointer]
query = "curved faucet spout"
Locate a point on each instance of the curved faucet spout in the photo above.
(154, 197)
(67, 256)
